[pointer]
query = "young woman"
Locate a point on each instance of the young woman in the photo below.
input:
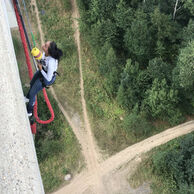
(46, 74)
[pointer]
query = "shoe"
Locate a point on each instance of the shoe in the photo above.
(29, 114)
(26, 100)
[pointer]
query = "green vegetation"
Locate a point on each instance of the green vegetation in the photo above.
(19, 51)
(56, 146)
(169, 168)
(138, 66)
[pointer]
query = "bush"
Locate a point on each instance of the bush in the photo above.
(137, 124)
(175, 164)
(49, 149)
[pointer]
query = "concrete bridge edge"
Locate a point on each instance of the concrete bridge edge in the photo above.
(19, 170)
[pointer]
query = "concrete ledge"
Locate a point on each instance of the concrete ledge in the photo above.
(11, 14)
(19, 171)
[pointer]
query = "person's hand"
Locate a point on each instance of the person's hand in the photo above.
(40, 66)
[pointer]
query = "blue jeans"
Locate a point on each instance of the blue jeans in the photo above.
(35, 86)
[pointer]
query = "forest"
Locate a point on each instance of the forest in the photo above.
(145, 53)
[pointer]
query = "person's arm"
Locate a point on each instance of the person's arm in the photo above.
(51, 69)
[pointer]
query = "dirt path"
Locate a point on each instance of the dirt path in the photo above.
(92, 162)
(109, 176)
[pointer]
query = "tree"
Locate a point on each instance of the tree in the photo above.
(129, 94)
(186, 66)
(136, 124)
(101, 9)
(165, 35)
(112, 72)
(106, 58)
(102, 31)
(161, 101)
(174, 163)
(157, 68)
(188, 4)
(176, 8)
(123, 15)
(188, 34)
(138, 40)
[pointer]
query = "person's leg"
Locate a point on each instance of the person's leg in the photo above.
(35, 77)
(36, 87)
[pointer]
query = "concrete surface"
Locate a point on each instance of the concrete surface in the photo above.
(11, 14)
(19, 171)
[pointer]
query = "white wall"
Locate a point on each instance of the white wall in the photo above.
(11, 13)
(19, 171)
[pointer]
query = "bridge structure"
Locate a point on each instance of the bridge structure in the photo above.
(19, 170)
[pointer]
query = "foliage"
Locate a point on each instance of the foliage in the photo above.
(109, 68)
(137, 38)
(165, 35)
(67, 5)
(168, 168)
(188, 34)
(123, 15)
(186, 67)
(137, 125)
(175, 163)
(161, 102)
(145, 33)
(133, 85)
(188, 4)
(158, 69)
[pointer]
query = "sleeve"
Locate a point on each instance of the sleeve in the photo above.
(43, 55)
(48, 76)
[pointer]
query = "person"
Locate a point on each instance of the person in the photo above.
(46, 73)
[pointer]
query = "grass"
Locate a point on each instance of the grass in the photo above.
(20, 56)
(57, 148)
(105, 115)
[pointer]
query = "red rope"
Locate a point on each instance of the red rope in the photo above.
(30, 72)
(33, 128)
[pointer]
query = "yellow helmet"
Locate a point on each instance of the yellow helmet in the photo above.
(36, 53)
